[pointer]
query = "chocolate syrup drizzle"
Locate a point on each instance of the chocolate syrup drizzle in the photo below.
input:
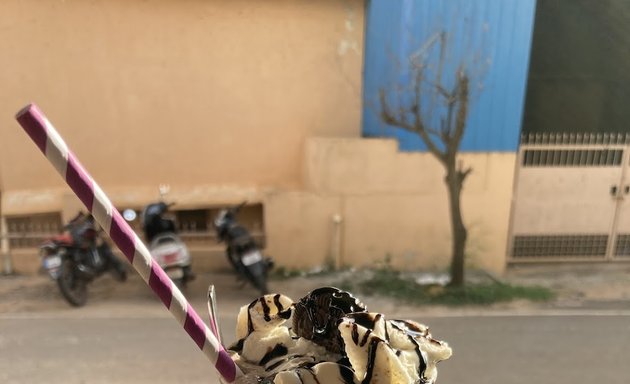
(317, 315)
(278, 307)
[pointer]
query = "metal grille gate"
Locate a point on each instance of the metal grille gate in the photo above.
(571, 198)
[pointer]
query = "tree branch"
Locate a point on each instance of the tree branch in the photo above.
(461, 172)
(417, 127)
(448, 125)
(389, 118)
(441, 91)
(434, 132)
(462, 99)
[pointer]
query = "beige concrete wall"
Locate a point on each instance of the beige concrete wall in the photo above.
(299, 228)
(392, 204)
(223, 100)
(201, 92)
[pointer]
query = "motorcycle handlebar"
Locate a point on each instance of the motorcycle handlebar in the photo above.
(238, 207)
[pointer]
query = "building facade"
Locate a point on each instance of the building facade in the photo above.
(270, 102)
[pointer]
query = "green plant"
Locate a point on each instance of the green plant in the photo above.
(390, 283)
(489, 293)
(283, 273)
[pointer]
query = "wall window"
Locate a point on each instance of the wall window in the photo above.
(30, 231)
(196, 226)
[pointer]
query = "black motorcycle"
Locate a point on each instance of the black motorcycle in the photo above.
(77, 256)
(165, 245)
(242, 251)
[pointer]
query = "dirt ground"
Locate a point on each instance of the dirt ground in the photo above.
(577, 286)
(40, 294)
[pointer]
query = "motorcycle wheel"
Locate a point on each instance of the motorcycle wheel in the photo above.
(119, 273)
(258, 278)
(233, 260)
(73, 289)
(260, 282)
(188, 276)
(181, 283)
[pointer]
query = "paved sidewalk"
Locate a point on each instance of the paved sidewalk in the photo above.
(578, 287)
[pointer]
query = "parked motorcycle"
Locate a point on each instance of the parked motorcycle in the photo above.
(165, 245)
(77, 256)
(242, 251)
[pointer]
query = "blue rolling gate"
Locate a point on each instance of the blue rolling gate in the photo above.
(491, 38)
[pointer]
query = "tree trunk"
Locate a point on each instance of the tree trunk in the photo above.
(454, 181)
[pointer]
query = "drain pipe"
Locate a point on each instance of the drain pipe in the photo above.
(4, 239)
(4, 247)
(336, 244)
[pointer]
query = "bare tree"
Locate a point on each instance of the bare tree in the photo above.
(430, 95)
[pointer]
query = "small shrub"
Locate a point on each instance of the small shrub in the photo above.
(283, 273)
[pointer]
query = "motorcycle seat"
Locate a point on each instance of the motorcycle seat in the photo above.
(64, 238)
(243, 241)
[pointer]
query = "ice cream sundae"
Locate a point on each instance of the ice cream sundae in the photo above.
(329, 337)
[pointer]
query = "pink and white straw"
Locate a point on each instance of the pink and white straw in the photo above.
(52, 145)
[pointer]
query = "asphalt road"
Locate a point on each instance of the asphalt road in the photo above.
(504, 349)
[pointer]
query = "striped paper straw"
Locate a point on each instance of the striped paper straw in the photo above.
(52, 145)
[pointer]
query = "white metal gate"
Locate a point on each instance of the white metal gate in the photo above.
(571, 199)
